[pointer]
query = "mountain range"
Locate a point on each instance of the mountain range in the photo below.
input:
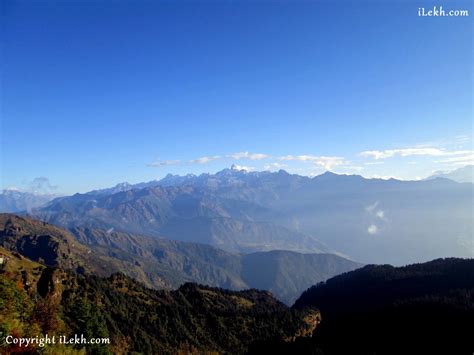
(464, 174)
(368, 220)
(13, 200)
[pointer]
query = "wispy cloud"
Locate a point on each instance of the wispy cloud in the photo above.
(159, 162)
(461, 139)
(456, 141)
(247, 155)
(356, 168)
(274, 166)
(459, 160)
(380, 214)
(372, 207)
(204, 160)
(376, 214)
(374, 163)
(405, 152)
(327, 162)
(41, 185)
(409, 152)
(207, 159)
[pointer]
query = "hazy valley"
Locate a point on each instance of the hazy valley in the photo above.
(162, 263)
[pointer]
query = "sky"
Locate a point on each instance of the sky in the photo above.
(95, 93)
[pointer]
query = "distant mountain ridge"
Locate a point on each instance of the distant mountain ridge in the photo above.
(13, 200)
(369, 220)
(178, 212)
(462, 175)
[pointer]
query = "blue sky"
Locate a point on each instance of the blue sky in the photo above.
(95, 93)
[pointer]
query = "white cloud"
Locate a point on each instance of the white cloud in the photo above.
(274, 166)
(41, 185)
(462, 138)
(405, 152)
(204, 160)
(329, 162)
(354, 168)
(158, 163)
(326, 162)
(385, 177)
(372, 207)
(373, 229)
(247, 155)
(244, 168)
(298, 157)
(380, 214)
(456, 141)
(323, 161)
(208, 159)
(408, 152)
(459, 160)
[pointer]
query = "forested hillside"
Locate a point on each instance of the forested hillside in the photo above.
(418, 309)
(38, 300)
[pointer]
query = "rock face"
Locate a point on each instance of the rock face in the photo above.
(49, 284)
